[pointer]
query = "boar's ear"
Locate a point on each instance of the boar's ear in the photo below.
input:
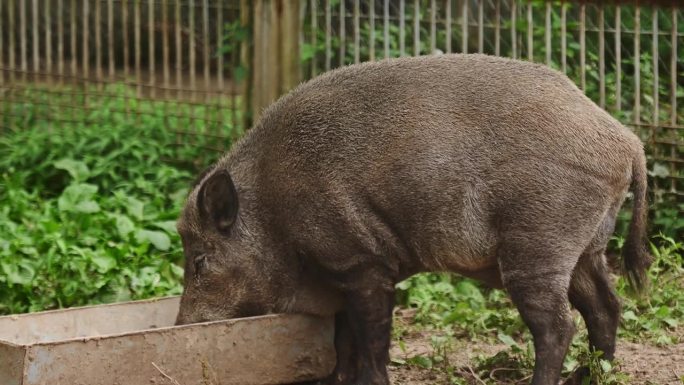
(217, 200)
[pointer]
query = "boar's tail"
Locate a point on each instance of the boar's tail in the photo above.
(635, 254)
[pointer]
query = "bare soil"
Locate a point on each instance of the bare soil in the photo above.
(647, 364)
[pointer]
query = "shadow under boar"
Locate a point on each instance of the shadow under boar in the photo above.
(492, 168)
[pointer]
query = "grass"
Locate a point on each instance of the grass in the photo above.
(448, 305)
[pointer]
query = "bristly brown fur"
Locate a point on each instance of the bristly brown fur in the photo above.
(497, 169)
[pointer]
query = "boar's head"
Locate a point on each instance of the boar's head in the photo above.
(229, 269)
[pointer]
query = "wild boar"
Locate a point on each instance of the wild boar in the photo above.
(492, 168)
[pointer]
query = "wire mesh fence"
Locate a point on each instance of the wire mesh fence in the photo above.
(73, 62)
(627, 58)
(65, 64)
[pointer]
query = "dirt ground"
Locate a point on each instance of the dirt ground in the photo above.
(646, 364)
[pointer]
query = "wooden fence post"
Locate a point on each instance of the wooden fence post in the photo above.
(275, 60)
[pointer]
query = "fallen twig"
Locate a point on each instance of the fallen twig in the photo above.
(472, 372)
(173, 381)
(493, 378)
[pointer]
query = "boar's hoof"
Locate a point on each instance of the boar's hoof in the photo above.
(578, 376)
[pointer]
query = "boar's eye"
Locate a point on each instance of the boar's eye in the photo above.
(200, 262)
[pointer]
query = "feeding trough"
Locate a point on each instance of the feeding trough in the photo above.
(135, 343)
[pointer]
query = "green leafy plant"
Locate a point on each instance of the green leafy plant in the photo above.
(88, 203)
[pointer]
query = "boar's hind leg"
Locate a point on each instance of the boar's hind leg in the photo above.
(591, 292)
(537, 277)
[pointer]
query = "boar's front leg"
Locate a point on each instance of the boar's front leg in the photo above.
(346, 369)
(369, 300)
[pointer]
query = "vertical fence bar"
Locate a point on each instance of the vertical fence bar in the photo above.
(110, 37)
(35, 39)
(673, 92)
(602, 59)
(497, 28)
(514, 35)
(618, 59)
(547, 33)
(191, 44)
(371, 22)
(4, 118)
(10, 37)
(2, 56)
(138, 46)
(219, 70)
(74, 54)
(447, 11)
(23, 45)
(98, 41)
(205, 58)
(60, 40)
(530, 33)
(85, 66)
(386, 25)
(464, 27)
(205, 37)
(637, 65)
(433, 27)
(583, 46)
(233, 52)
(564, 38)
(86, 40)
(48, 36)
(22, 36)
(179, 49)
(328, 32)
(416, 27)
(480, 26)
(402, 27)
(673, 69)
(357, 32)
(151, 47)
(343, 43)
(165, 46)
(235, 61)
(656, 74)
(124, 27)
(314, 31)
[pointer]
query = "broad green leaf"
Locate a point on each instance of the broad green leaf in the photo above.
(124, 225)
(157, 238)
(78, 170)
(671, 322)
(629, 316)
(103, 262)
(168, 226)
(506, 339)
(78, 198)
(135, 208)
(606, 366)
(422, 361)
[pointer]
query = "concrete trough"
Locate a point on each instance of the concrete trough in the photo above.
(135, 343)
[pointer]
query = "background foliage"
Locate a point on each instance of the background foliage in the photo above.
(88, 210)
(88, 200)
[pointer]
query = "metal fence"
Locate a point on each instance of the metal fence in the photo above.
(628, 58)
(201, 53)
(63, 62)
